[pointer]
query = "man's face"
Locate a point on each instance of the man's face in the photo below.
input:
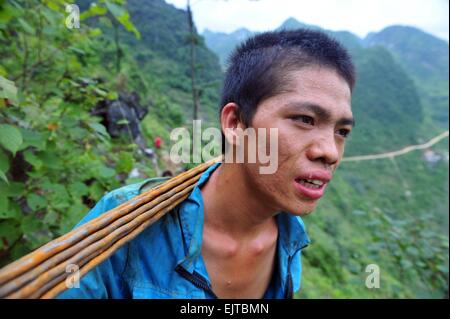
(312, 117)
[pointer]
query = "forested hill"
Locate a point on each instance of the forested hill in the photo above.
(162, 56)
(164, 49)
(223, 43)
(426, 59)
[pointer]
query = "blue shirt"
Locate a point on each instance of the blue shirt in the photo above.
(165, 260)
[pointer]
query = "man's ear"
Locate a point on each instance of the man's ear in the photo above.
(230, 121)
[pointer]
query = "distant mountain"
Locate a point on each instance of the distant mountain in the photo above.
(426, 59)
(292, 23)
(385, 103)
(351, 41)
(223, 43)
(423, 55)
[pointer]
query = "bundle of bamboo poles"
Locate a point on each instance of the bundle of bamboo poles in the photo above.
(42, 273)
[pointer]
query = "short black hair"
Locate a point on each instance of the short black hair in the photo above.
(259, 68)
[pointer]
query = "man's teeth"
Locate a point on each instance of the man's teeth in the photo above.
(315, 181)
(311, 183)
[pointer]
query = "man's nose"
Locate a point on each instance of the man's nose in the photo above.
(324, 149)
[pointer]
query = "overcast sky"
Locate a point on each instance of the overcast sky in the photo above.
(357, 16)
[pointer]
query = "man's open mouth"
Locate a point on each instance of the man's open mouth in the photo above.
(311, 183)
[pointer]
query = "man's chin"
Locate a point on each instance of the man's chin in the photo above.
(303, 209)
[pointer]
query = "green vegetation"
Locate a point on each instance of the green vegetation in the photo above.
(426, 59)
(57, 159)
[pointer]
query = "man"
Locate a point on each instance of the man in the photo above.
(239, 234)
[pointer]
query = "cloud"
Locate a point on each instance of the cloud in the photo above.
(359, 17)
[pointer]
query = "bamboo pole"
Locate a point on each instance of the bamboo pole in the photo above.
(40, 275)
(62, 286)
(35, 274)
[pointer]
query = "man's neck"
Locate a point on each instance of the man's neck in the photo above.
(232, 205)
(239, 236)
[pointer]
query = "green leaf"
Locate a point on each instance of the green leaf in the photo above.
(53, 6)
(106, 172)
(3, 176)
(106, 22)
(95, 32)
(30, 224)
(4, 205)
(59, 198)
(443, 268)
(412, 251)
(420, 264)
(125, 162)
(406, 263)
(33, 159)
(123, 17)
(33, 138)
(50, 160)
(26, 27)
(96, 191)
(15, 189)
(78, 189)
(76, 50)
(6, 14)
(36, 202)
(10, 231)
(116, 10)
(94, 10)
(51, 218)
(10, 138)
(8, 89)
(112, 96)
(123, 122)
(11, 212)
(3, 71)
(4, 166)
(51, 18)
(99, 128)
(100, 92)
(4, 162)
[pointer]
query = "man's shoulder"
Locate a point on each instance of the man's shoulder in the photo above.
(121, 195)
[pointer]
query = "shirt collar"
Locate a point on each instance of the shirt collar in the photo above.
(292, 233)
(191, 214)
(291, 230)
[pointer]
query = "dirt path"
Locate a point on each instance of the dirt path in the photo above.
(405, 150)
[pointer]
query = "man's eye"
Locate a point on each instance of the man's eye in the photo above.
(304, 119)
(343, 132)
